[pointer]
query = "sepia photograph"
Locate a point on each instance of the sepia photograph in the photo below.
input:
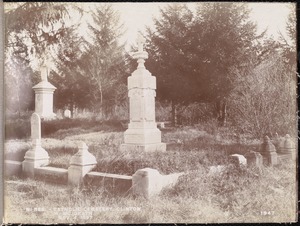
(149, 112)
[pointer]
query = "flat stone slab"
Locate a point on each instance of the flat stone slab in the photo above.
(52, 174)
(110, 175)
(284, 157)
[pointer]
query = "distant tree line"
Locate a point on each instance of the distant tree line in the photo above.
(213, 56)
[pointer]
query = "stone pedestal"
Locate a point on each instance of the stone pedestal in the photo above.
(35, 157)
(44, 97)
(80, 164)
(142, 133)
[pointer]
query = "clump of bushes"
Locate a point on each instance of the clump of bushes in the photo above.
(20, 128)
(17, 129)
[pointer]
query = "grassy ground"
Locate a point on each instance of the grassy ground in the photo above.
(237, 195)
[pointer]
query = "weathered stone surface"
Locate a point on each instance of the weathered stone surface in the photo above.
(170, 180)
(35, 122)
(34, 157)
(289, 146)
(142, 130)
(147, 182)
(254, 159)
(114, 183)
(238, 160)
(143, 147)
(80, 164)
(67, 113)
(142, 136)
(278, 143)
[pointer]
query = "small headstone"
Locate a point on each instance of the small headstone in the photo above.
(268, 151)
(36, 156)
(288, 147)
(67, 113)
(254, 159)
(238, 160)
(162, 125)
(35, 121)
(278, 142)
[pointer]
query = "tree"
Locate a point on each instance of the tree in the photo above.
(264, 99)
(224, 38)
(31, 28)
(192, 55)
(73, 88)
(168, 46)
(94, 70)
(104, 60)
(288, 45)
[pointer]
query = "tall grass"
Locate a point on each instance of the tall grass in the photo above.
(236, 195)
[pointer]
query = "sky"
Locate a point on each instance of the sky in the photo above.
(136, 16)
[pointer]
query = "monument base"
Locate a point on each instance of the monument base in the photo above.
(35, 157)
(143, 147)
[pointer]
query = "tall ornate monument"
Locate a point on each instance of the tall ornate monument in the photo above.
(142, 133)
(44, 96)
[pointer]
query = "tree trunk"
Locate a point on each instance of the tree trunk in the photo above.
(174, 113)
(221, 109)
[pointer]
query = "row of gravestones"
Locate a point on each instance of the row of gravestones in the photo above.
(268, 155)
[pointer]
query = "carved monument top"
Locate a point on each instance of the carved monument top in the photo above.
(44, 73)
(141, 41)
(140, 55)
